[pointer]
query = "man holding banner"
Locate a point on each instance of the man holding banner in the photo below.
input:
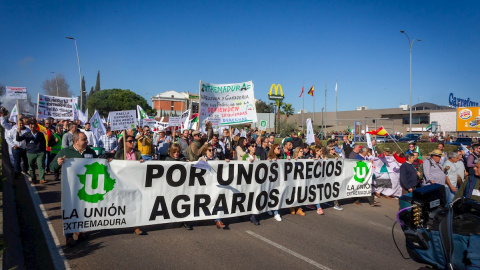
(79, 149)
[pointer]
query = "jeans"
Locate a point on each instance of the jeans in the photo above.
(19, 154)
(449, 194)
(146, 157)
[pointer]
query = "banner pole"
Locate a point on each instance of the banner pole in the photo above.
(199, 104)
(124, 145)
(38, 100)
(18, 112)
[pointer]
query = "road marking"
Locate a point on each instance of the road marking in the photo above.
(58, 257)
(291, 252)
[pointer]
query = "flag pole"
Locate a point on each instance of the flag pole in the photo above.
(38, 99)
(303, 108)
(313, 96)
(325, 125)
(336, 110)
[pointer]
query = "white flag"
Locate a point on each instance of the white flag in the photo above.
(310, 135)
(13, 114)
(336, 88)
(98, 128)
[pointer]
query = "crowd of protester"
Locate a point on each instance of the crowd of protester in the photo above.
(395, 173)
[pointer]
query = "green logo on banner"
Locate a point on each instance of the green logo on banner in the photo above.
(96, 183)
(361, 171)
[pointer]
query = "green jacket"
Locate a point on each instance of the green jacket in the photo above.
(56, 147)
(70, 152)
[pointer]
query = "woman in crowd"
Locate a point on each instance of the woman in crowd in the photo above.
(131, 154)
(297, 154)
(209, 155)
(273, 154)
(240, 149)
(175, 154)
(251, 157)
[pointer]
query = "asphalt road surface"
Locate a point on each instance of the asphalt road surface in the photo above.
(359, 237)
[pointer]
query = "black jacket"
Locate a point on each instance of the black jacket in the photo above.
(36, 144)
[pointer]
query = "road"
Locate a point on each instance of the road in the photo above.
(359, 237)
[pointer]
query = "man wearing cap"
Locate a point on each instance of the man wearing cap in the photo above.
(196, 146)
(163, 143)
(432, 170)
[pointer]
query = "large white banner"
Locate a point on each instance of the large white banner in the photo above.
(15, 92)
(56, 107)
(101, 195)
(230, 103)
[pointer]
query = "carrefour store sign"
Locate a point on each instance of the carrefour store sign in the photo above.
(460, 102)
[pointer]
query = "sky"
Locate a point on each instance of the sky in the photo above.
(151, 47)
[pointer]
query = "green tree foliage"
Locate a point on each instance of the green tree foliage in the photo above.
(109, 100)
(263, 107)
(91, 92)
(287, 109)
(97, 84)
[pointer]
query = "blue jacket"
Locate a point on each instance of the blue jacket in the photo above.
(35, 144)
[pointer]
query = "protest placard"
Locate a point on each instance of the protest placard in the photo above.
(231, 103)
(121, 120)
(15, 92)
(56, 107)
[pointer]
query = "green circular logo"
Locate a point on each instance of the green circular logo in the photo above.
(96, 183)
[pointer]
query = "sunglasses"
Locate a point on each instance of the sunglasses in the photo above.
(209, 150)
(130, 141)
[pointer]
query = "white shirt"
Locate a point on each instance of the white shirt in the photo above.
(90, 137)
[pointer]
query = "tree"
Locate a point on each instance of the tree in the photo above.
(97, 84)
(49, 86)
(288, 109)
(109, 100)
(91, 92)
(2, 91)
(84, 95)
(262, 107)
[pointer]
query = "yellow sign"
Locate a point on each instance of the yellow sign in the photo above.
(276, 95)
(468, 119)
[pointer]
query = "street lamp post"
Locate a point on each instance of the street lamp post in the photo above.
(56, 83)
(410, 43)
(79, 72)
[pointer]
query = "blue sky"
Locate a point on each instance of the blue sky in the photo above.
(153, 46)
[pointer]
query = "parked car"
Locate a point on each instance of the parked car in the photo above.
(411, 137)
(464, 141)
(384, 139)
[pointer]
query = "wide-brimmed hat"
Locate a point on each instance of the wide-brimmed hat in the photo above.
(437, 152)
(386, 149)
(196, 132)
